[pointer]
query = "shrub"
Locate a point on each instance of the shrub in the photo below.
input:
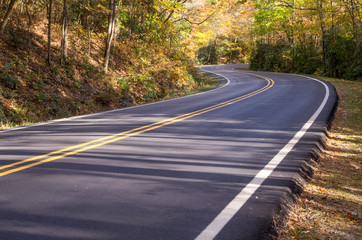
(10, 81)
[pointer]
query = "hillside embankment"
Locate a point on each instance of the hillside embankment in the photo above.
(32, 90)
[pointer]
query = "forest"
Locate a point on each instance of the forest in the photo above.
(79, 56)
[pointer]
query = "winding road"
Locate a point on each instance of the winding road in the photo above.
(214, 165)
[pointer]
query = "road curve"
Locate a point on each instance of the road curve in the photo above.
(215, 165)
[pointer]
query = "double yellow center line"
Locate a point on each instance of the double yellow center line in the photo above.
(34, 161)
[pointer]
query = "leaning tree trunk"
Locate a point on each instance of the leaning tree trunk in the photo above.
(49, 30)
(111, 26)
(64, 43)
(8, 13)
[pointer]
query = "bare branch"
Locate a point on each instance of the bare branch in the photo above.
(288, 5)
(196, 23)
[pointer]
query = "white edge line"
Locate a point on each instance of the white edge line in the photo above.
(234, 206)
(115, 110)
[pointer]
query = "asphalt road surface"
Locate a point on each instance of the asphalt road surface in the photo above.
(214, 165)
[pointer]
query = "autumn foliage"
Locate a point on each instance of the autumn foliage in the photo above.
(147, 56)
(79, 56)
(313, 37)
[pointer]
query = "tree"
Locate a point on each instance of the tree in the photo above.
(50, 6)
(8, 13)
(64, 43)
(110, 33)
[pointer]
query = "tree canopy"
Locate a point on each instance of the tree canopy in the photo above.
(271, 35)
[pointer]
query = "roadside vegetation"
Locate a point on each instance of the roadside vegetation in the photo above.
(309, 37)
(331, 205)
(89, 56)
(60, 58)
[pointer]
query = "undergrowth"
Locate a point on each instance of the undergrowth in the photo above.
(33, 91)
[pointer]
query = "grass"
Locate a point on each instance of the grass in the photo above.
(330, 206)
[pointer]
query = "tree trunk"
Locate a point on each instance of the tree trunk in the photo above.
(111, 26)
(49, 29)
(89, 19)
(332, 27)
(64, 43)
(30, 23)
(8, 13)
(209, 53)
(89, 42)
(321, 19)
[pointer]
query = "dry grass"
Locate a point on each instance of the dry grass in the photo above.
(330, 207)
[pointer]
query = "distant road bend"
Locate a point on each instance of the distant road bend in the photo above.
(215, 165)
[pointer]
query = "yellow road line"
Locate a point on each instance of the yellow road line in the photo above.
(119, 136)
